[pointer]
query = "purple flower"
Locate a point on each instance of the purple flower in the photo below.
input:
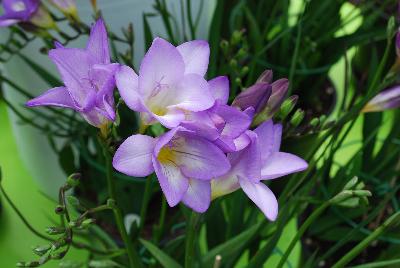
(16, 11)
(88, 77)
(170, 82)
(184, 164)
(398, 42)
(387, 99)
(260, 160)
(221, 124)
(263, 96)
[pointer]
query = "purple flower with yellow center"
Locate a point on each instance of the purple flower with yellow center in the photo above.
(387, 99)
(170, 83)
(16, 11)
(183, 162)
(88, 79)
(222, 124)
(260, 160)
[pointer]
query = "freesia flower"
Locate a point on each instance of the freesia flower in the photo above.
(88, 79)
(398, 43)
(170, 82)
(16, 11)
(260, 160)
(222, 124)
(184, 163)
(387, 99)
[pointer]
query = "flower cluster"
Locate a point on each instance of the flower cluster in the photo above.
(209, 149)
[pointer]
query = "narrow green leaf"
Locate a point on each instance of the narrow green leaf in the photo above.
(160, 255)
(50, 79)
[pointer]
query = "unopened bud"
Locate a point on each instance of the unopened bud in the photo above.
(314, 122)
(342, 196)
(68, 7)
(391, 28)
(233, 63)
(74, 179)
(59, 210)
(236, 37)
(265, 77)
(297, 118)
(86, 223)
(244, 71)
(287, 106)
(55, 230)
(255, 96)
(351, 183)
(362, 193)
(41, 250)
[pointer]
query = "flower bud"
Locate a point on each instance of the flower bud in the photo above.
(351, 183)
(55, 230)
(255, 96)
(391, 28)
(279, 90)
(265, 77)
(297, 118)
(86, 223)
(287, 106)
(42, 19)
(59, 210)
(73, 179)
(398, 43)
(387, 99)
(314, 122)
(41, 250)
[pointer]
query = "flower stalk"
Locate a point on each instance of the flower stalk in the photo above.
(191, 230)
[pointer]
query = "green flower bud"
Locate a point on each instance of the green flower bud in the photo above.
(351, 183)
(59, 210)
(55, 230)
(86, 223)
(287, 106)
(233, 63)
(297, 118)
(391, 28)
(236, 37)
(74, 179)
(314, 122)
(244, 71)
(41, 250)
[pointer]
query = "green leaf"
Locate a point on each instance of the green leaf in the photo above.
(148, 35)
(50, 79)
(231, 247)
(160, 255)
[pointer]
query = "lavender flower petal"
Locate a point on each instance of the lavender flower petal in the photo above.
(198, 195)
(196, 55)
(58, 96)
(134, 156)
(280, 164)
(219, 88)
(98, 43)
(127, 83)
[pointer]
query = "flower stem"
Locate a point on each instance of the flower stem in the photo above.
(145, 203)
(394, 219)
(134, 259)
(190, 238)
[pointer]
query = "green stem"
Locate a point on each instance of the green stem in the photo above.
(134, 259)
(301, 231)
(191, 230)
(146, 197)
(160, 226)
(364, 243)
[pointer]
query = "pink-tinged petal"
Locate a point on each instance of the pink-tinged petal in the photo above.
(247, 162)
(198, 195)
(236, 121)
(58, 96)
(98, 42)
(173, 183)
(265, 133)
(202, 123)
(73, 65)
(96, 117)
(387, 99)
(134, 156)
(196, 55)
(279, 91)
(219, 88)
(262, 196)
(280, 164)
(199, 158)
(192, 94)
(162, 65)
(127, 84)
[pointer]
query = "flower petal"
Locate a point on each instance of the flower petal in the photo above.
(280, 164)
(199, 158)
(73, 64)
(134, 156)
(192, 94)
(196, 55)
(219, 88)
(173, 183)
(198, 195)
(127, 83)
(262, 196)
(58, 96)
(98, 42)
(265, 133)
(162, 65)
(236, 121)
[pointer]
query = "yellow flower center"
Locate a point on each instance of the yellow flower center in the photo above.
(166, 155)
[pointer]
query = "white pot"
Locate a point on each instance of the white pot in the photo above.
(33, 146)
